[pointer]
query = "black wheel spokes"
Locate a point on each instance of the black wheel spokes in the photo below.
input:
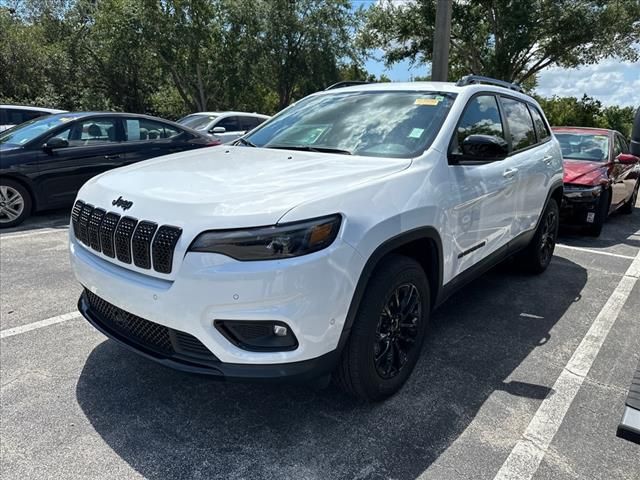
(548, 240)
(397, 330)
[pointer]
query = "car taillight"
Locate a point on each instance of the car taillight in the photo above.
(214, 143)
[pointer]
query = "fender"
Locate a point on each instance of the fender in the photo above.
(388, 246)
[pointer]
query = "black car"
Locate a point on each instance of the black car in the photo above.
(44, 162)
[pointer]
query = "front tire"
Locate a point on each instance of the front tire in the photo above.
(601, 214)
(628, 207)
(388, 331)
(15, 203)
(537, 256)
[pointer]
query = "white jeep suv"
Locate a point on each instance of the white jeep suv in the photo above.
(322, 241)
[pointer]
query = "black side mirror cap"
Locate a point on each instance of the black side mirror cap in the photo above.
(54, 143)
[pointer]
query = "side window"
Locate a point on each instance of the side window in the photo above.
(617, 146)
(541, 127)
(140, 129)
(98, 131)
(249, 123)
(230, 124)
(31, 114)
(625, 145)
(520, 123)
(480, 117)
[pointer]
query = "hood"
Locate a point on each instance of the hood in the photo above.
(583, 172)
(230, 187)
(5, 147)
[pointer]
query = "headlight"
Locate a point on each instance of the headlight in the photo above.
(270, 243)
(580, 192)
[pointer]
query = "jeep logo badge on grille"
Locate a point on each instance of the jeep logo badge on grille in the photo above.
(122, 203)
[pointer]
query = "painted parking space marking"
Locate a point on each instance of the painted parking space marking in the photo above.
(590, 250)
(8, 236)
(10, 332)
(525, 458)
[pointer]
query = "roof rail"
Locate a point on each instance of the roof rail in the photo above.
(473, 79)
(346, 83)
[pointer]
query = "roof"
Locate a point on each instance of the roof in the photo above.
(595, 131)
(446, 87)
(227, 113)
(29, 107)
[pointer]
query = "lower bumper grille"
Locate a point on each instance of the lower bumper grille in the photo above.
(146, 335)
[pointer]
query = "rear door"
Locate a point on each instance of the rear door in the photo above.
(94, 147)
(532, 154)
(484, 191)
(233, 129)
(145, 139)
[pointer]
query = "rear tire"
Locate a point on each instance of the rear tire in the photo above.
(388, 331)
(537, 256)
(15, 203)
(602, 212)
(628, 207)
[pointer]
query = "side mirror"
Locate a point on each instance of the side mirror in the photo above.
(484, 148)
(627, 159)
(218, 130)
(54, 143)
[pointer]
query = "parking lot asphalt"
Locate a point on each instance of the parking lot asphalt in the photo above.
(74, 405)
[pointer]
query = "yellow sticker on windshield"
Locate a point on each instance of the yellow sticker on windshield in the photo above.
(431, 102)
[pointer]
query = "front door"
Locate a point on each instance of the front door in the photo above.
(483, 193)
(93, 148)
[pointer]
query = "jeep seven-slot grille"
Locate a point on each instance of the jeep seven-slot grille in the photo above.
(146, 334)
(142, 242)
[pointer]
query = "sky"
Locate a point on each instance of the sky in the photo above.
(611, 81)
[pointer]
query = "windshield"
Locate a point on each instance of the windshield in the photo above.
(197, 122)
(398, 124)
(584, 146)
(27, 131)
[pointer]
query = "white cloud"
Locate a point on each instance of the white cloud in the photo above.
(611, 81)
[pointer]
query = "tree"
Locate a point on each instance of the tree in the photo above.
(509, 39)
(305, 42)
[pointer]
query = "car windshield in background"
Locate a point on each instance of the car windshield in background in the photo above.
(197, 121)
(584, 146)
(27, 131)
(383, 124)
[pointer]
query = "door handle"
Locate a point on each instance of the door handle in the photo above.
(509, 172)
(111, 157)
(547, 159)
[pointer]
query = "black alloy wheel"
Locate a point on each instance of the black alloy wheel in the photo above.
(397, 330)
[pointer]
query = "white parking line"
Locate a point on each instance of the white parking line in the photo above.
(31, 234)
(590, 250)
(10, 332)
(524, 460)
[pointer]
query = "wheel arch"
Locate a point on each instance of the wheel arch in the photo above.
(423, 244)
(24, 182)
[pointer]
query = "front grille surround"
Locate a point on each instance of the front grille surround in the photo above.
(144, 243)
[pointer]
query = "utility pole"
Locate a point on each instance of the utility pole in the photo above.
(441, 39)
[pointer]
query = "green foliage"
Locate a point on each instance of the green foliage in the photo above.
(171, 57)
(587, 112)
(511, 40)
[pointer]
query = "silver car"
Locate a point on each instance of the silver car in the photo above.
(224, 126)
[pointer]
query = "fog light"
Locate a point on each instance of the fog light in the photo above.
(280, 331)
(258, 336)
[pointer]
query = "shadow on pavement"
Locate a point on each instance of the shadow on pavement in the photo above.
(167, 424)
(618, 230)
(49, 219)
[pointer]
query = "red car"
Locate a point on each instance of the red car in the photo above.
(600, 175)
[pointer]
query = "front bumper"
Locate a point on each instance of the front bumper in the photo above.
(579, 205)
(290, 372)
(310, 294)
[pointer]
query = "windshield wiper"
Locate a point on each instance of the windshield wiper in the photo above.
(246, 142)
(308, 148)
